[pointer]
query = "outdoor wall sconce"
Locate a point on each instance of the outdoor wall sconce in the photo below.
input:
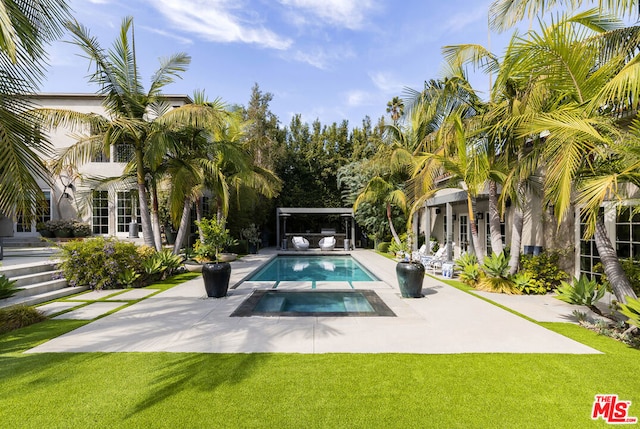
(438, 211)
(480, 216)
(453, 216)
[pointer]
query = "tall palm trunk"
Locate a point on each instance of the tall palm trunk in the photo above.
(477, 246)
(184, 226)
(612, 268)
(516, 233)
(147, 230)
(199, 217)
(155, 219)
(393, 230)
(494, 219)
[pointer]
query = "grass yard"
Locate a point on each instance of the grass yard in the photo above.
(187, 390)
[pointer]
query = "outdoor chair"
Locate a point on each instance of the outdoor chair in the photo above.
(434, 262)
(327, 243)
(417, 255)
(300, 243)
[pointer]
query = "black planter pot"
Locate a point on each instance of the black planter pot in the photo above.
(216, 278)
(410, 277)
(253, 249)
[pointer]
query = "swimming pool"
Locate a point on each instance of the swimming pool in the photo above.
(313, 268)
(313, 303)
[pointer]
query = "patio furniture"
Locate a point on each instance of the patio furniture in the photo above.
(327, 243)
(300, 243)
(434, 262)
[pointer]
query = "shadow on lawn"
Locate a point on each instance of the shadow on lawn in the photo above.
(198, 372)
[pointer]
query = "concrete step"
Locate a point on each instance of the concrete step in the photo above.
(40, 277)
(41, 288)
(44, 297)
(20, 242)
(14, 271)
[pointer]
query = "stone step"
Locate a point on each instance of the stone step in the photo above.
(44, 297)
(41, 288)
(40, 277)
(25, 269)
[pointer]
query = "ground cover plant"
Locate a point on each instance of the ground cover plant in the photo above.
(292, 390)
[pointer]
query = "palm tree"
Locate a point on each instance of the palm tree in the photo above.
(591, 75)
(130, 110)
(395, 107)
(27, 27)
(504, 14)
(208, 157)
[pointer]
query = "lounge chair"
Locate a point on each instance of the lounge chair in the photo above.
(434, 262)
(327, 243)
(300, 243)
(417, 255)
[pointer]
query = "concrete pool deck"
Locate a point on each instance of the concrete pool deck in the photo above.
(445, 320)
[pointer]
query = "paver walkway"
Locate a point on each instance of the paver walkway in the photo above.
(182, 319)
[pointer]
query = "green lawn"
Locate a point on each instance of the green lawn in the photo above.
(188, 390)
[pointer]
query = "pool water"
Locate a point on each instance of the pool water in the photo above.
(313, 268)
(313, 303)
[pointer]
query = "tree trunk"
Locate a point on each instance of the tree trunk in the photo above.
(612, 268)
(184, 226)
(147, 230)
(477, 246)
(516, 239)
(199, 217)
(494, 219)
(155, 219)
(393, 230)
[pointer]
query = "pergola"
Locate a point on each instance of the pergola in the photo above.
(285, 212)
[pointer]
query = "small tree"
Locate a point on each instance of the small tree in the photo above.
(214, 238)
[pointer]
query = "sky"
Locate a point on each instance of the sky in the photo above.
(324, 59)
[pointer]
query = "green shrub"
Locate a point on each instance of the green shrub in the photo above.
(466, 259)
(97, 262)
(384, 247)
(526, 284)
(7, 287)
(582, 291)
(543, 270)
(403, 247)
(470, 274)
(81, 229)
(19, 316)
(631, 268)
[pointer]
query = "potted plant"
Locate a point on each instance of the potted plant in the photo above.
(410, 275)
(81, 229)
(215, 273)
(252, 235)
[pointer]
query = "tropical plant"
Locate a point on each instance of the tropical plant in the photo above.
(129, 109)
(632, 310)
(27, 28)
(128, 277)
(470, 274)
(7, 287)
(582, 291)
(497, 277)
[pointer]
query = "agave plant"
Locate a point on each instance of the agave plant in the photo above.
(7, 287)
(496, 268)
(632, 310)
(582, 291)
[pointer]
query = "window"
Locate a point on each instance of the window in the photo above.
(589, 256)
(43, 214)
(628, 233)
(100, 217)
(100, 157)
(464, 233)
(127, 203)
(123, 152)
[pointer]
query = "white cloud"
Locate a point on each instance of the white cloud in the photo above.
(183, 40)
(384, 81)
(463, 19)
(321, 58)
(358, 97)
(349, 14)
(219, 21)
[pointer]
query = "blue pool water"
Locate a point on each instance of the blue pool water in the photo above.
(313, 302)
(313, 268)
